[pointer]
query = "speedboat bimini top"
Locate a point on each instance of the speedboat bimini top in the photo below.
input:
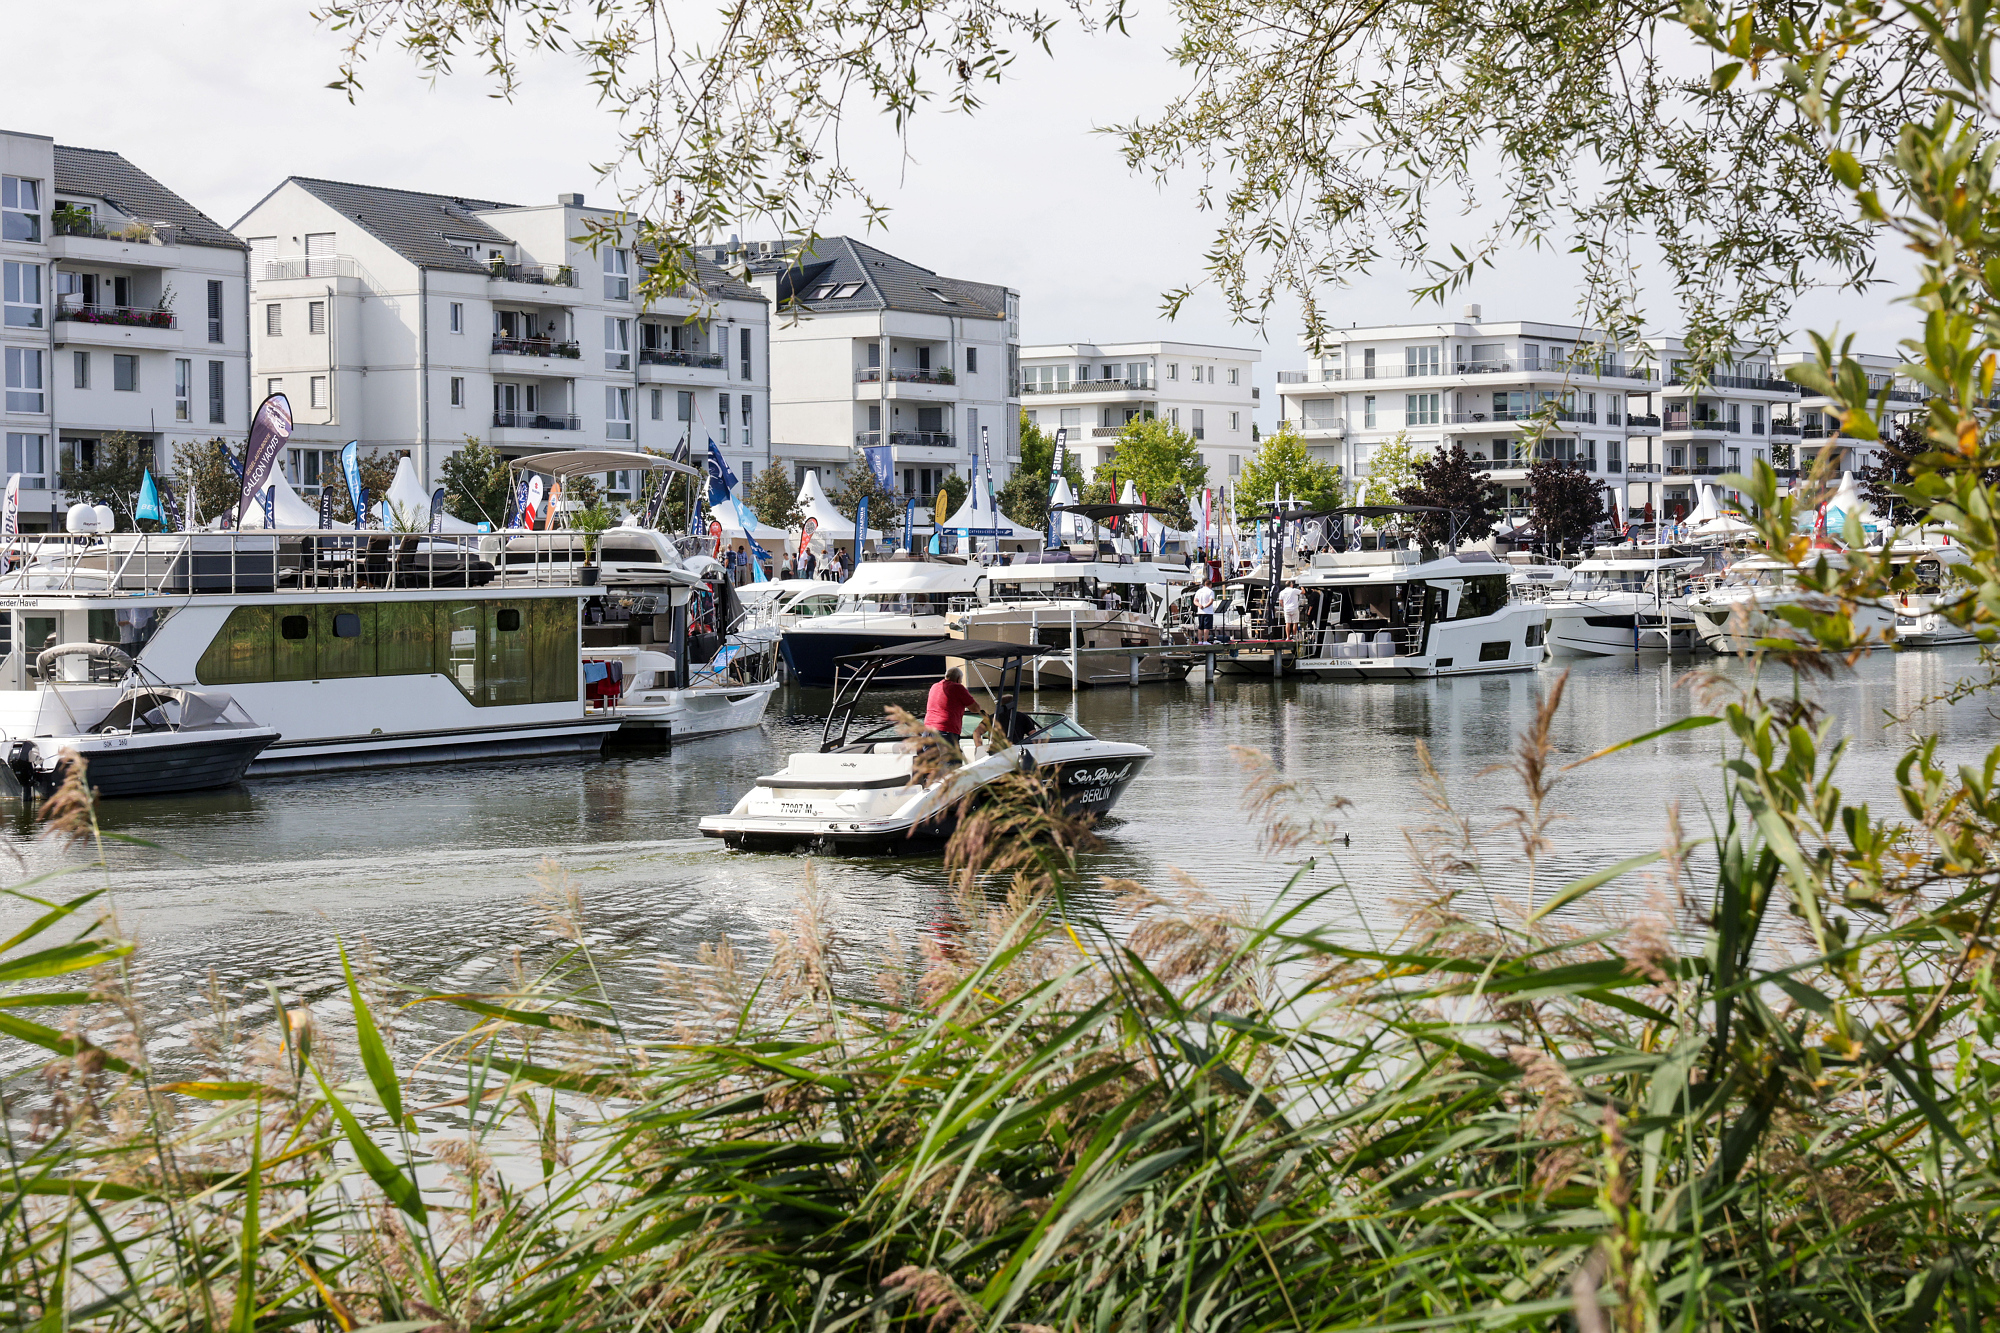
(868, 792)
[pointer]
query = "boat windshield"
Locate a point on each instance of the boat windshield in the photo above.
(1633, 578)
(904, 603)
(814, 604)
(1056, 727)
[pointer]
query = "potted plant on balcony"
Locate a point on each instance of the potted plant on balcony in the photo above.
(589, 522)
(72, 221)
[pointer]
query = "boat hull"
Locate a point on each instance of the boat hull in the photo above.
(1611, 631)
(680, 715)
(581, 736)
(1733, 626)
(153, 766)
(810, 656)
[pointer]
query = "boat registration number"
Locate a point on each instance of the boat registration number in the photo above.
(795, 807)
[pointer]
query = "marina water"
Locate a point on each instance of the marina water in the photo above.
(434, 867)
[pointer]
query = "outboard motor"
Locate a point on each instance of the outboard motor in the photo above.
(21, 763)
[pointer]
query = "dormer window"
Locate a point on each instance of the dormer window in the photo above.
(940, 296)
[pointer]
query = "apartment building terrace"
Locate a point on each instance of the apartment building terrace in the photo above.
(1093, 390)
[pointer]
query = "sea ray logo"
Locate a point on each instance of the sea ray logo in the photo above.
(1100, 777)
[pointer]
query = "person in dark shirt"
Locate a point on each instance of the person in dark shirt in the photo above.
(1012, 723)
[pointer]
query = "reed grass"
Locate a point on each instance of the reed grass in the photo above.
(1764, 1101)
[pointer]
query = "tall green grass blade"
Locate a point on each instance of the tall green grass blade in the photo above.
(374, 1054)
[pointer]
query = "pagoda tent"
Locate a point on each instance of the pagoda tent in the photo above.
(1070, 527)
(406, 498)
(988, 523)
(1706, 510)
(288, 508)
(833, 527)
(1847, 499)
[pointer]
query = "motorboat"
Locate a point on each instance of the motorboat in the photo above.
(883, 789)
(1735, 614)
(1053, 602)
(136, 737)
(1623, 600)
(902, 600)
(1396, 612)
(1921, 619)
(631, 658)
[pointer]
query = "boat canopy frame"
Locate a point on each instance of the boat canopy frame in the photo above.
(862, 668)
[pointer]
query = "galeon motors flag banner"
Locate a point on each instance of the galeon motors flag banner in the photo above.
(269, 430)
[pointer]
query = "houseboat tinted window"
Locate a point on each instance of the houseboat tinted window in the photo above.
(507, 621)
(296, 627)
(1484, 594)
(347, 625)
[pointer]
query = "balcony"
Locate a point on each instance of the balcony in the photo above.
(536, 421)
(907, 439)
(1323, 426)
(540, 275)
(1821, 432)
(1684, 379)
(1642, 467)
(1784, 428)
(1644, 421)
(662, 356)
(131, 316)
(536, 347)
(874, 375)
(1291, 377)
(1494, 418)
(133, 244)
(1695, 425)
(1092, 386)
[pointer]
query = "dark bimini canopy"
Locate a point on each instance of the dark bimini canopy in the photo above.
(1098, 513)
(974, 649)
(1384, 511)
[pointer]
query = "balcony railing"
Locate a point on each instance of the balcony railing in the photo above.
(873, 375)
(537, 421)
(907, 439)
(535, 347)
(543, 275)
(1784, 428)
(1642, 467)
(1821, 432)
(1684, 377)
(137, 231)
(1474, 418)
(1696, 425)
(1324, 426)
(135, 316)
(1291, 377)
(1093, 386)
(663, 356)
(1643, 421)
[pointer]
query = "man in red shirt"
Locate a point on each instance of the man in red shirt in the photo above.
(949, 702)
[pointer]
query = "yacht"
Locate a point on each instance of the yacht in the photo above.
(1623, 600)
(1394, 613)
(359, 652)
(868, 792)
(1921, 621)
(630, 661)
(1053, 601)
(1734, 614)
(901, 600)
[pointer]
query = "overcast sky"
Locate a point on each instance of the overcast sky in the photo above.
(222, 100)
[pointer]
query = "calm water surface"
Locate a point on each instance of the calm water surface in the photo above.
(434, 866)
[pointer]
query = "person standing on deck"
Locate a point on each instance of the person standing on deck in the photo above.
(1204, 614)
(945, 710)
(1288, 601)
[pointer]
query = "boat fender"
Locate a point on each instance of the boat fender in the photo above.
(21, 763)
(108, 653)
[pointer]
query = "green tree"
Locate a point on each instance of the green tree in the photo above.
(377, 470)
(1392, 468)
(476, 483)
(110, 474)
(774, 498)
(1162, 462)
(1025, 497)
(1284, 465)
(858, 480)
(954, 488)
(1447, 478)
(203, 481)
(1565, 503)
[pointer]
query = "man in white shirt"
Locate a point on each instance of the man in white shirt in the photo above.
(1204, 613)
(1288, 601)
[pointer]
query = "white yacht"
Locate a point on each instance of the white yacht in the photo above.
(1053, 600)
(868, 793)
(1921, 621)
(1623, 600)
(1390, 614)
(904, 599)
(1734, 614)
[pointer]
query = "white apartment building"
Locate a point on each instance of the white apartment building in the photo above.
(413, 322)
(1694, 434)
(125, 311)
(1093, 389)
(1816, 430)
(869, 349)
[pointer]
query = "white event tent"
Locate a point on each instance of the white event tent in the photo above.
(406, 498)
(832, 526)
(288, 508)
(987, 523)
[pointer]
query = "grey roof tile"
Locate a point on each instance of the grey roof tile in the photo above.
(887, 283)
(103, 174)
(412, 223)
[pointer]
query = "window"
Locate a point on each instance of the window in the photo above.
(1421, 360)
(617, 413)
(80, 369)
(1368, 411)
(274, 320)
(722, 416)
(1613, 462)
(1735, 460)
(458, 317)
(746, 427)
(214, 310)
(458, 391)
(1421, 409)
(218, 403)
(1173, 417)
(1736, 418)
(743, 342)
(1236, 465)
(319, 254)
(1173, 370)
(124, 372)
(1199, 433)
(1756, 418)
(972, 362)
(617, 275)
(28, 455)
(183, 389)
(684, 405)
(617, 343)
(940, 296)
(23, 295)
(1235, 375)
(874, 354)
(923, 358)
(1139, 373)
(659, 397)
(295, 627)
(316, 391)
(1236, 421)
(874, 416)
(20, 209)
(316, 318)
(1368, 363)
(273, 386)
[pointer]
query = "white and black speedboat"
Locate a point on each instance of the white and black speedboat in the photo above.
(874, 792)
(135, 737)
(888, 603)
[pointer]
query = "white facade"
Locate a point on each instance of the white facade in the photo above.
(1093, 389)
(1741, 409)
(869, 350)
(125, 311)
(412, 322)
(1816, 429)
